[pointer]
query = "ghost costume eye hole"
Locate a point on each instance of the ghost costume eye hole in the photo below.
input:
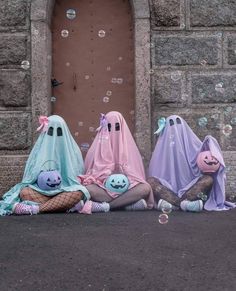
(117, 126)
(178, 120)
(109, 127)
(59, 131)
(171, 121)
(50, 131)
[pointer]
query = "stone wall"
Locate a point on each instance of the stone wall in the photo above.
(193, 47)
(15, 90)
(193, 60)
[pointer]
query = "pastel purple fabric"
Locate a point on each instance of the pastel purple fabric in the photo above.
(174, 158)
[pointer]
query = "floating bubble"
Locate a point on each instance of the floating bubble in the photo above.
(219, 87)
(120, 58)
(71, 14)
(215, 116)
(108, 68)
(203, 63)
(151, 71)
(163, 218)
(131, 112)
(228, 110)
(175, 76)
(86, 77)
(64, 33)
(67, 64)
(91, 129)
(227, 130)
(172, 143)
(25, 65)
(106, 99)
(109, 93)
(204, 197)
(80, 123)
(101, 33)
(233, 121)
(182, 25)
(166, 209)
(113, 80)
(202, 122)
(53, 99)
(84, 146)
(119, 80)
(76, 133)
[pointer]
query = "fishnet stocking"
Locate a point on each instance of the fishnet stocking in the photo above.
(29, 194)
(162, 192)
(61, 202)
(204, 185)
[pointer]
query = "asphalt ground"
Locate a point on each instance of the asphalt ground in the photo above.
(119, 251)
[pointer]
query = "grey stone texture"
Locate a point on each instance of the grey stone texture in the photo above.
(13, 12)
(168, 88)
(231, 49)
(212, 13)
(214, 87)
(14, 88)
(15, 131)
(13, 49)
(184, 50)
(165, 13)
(11, 171)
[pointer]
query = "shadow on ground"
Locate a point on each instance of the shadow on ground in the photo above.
(119, 251)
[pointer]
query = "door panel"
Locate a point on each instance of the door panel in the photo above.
(93, 55)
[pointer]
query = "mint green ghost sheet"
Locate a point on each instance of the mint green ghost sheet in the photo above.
(54, 149)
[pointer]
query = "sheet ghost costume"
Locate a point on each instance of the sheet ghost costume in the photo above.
(173, 162)
(55, 147)
(114, 151)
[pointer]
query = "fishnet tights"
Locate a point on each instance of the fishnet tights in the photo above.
(203, 185)
(59, 203)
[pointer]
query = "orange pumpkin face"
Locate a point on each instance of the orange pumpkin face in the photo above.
(207, 163)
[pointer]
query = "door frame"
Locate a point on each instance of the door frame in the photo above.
(41, 67)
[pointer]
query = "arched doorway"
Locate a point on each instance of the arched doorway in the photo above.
(92, 64)
(41, 51)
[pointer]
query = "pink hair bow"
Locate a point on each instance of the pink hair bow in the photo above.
(43, 121)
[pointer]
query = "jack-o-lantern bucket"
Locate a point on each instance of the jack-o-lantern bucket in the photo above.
(49, 180)
(207, 163)
(117, 183)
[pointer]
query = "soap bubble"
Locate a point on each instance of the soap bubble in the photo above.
(166, 209)
(233, 121)
(106, 99)
(71, 14)
(219, 87)
(25, 65)
(80, 123)
(109, 93)
(101, 33)
(108, 68)
(202, 122)
(53, 99)
(76, 133)
(175, 76)
(84, 146)
(91, 129)
(227, 130)
(163, 218)
(64, 33)
(86, 77)
(67, 64)
(203, 63)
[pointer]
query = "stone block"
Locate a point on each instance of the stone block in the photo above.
(213, 88)
(14, 88)
(13, 12)
(13, 49)
(231, 50)
(165, 13)
(213, 13)
(169, 88)
(182, 50)
(15, 131)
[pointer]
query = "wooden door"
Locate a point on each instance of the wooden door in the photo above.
(93, 64)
